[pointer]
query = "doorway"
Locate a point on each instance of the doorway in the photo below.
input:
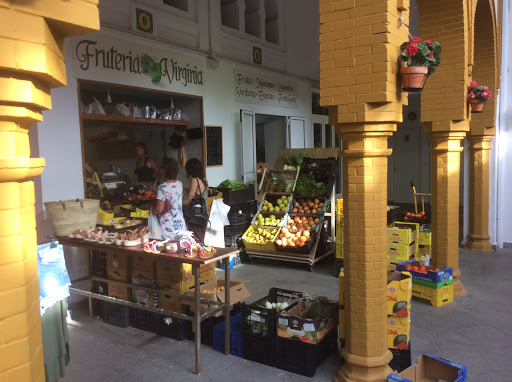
(270, 138)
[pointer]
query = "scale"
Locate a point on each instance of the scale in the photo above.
(111, 180)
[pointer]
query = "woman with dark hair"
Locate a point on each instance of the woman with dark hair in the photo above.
(198, 185)
(169, 200)
(145, 167)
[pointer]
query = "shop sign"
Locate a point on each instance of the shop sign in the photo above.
(255, 88)
(102, 58)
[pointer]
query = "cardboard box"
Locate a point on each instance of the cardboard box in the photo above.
(120, 292)
(399, 294)
(172, 304)
(108, 217)
(179, 277)
(118, 267)
(398, 329)
(403, 233)
(143, 266)
(401, 252)
(439, 276)
(292, 324)
(431, 369)
(238, 292)
(425, 238)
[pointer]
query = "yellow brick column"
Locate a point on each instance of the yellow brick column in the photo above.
(478, 236)
(365, 151)
(446, 149)
(32, 61)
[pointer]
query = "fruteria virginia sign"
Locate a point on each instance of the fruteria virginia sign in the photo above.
(103, 58)
(261, 89)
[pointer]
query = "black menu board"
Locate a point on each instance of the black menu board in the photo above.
(213, 146)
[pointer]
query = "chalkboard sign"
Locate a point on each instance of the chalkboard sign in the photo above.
(213, 146)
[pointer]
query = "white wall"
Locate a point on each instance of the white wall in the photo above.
(503, 149)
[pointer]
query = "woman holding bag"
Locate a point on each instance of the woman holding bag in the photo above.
(169, 201)
(196, 214)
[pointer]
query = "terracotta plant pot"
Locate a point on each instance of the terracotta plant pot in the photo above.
(477, 106)
(413, 78)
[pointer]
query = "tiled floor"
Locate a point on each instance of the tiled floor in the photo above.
(475, 330)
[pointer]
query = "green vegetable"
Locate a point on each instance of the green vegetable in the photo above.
(307, 186)
(233, 184)
(295, 159)
(155, 72)
(316, 310)
(145, 62)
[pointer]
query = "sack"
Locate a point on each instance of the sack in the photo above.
(196, 213)
(154, 227)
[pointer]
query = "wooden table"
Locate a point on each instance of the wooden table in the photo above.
(179, 257)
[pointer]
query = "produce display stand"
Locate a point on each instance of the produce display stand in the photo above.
(305, 258)
(178, 257)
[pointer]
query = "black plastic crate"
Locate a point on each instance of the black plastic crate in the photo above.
(174, 328)
(99, 264)
(401, 359)
(233, 198)
(98, 306)
(233, 233)
(262, 322)
(258, 349)
(144, 320)
(115, 314)
(304, 358)
(242, 213)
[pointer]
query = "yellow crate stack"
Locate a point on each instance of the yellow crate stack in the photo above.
(402, 243)
(339, 228)
(437, 297)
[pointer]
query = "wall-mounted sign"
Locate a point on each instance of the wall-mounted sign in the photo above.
(213, 146)
(257, 55)
(100, 57)
(144, 20)
(261, 89)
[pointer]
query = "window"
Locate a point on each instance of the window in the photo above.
(271, 21)
(179, 4)
(229, 14)
(252, 18)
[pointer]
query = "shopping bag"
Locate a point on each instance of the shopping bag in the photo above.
(214, 235)
(154, 227)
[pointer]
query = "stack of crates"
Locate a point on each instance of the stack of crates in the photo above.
(430, 283)
(339, 235)
(402, 242)
(424, 244)
(399, 295)
(240, 217)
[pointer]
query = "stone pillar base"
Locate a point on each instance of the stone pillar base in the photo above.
(364, 369)
(478, 243)
(458, 286)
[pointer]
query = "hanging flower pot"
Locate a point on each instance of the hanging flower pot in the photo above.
(422, 59)
(476, 105)
(413, 78)
(478, 96)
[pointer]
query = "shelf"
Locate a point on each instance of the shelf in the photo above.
(137, 120)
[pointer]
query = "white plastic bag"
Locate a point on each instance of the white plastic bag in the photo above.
(95, 107)
(154, 227)
(214, 235)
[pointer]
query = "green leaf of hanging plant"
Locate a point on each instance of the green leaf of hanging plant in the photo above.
(155, 72)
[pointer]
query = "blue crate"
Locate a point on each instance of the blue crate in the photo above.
(236, 336)
(440, 276)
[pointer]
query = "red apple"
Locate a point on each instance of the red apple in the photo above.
(313, 211)
(317, 220)
(320, 205)
(295, 210)
(316, 201)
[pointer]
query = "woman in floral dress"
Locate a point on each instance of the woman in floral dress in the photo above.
(169, 201)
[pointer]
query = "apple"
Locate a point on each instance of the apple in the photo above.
(316, 201)
(313, 211)
(316, 220)
(295, 210)
(296, 204)
(315, 206)
(310, 205)
(320, 205)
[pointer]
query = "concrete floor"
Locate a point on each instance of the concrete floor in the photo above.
(475, 330)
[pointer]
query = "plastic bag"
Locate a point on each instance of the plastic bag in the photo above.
(95, 107)
(214, 235)
(154, 227)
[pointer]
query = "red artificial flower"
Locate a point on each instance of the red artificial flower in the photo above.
(486, 94)
(472, 84)
(416, 40)
(430, 54)
(411, 50)
(428, 42)
(471, 95)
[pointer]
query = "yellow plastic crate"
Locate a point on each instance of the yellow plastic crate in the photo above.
(339, 206)
(269, 246)
(423, 250)
(339, 235)
(437, 297)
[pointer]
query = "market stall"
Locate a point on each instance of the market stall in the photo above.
(297, 211)
(202, 308)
